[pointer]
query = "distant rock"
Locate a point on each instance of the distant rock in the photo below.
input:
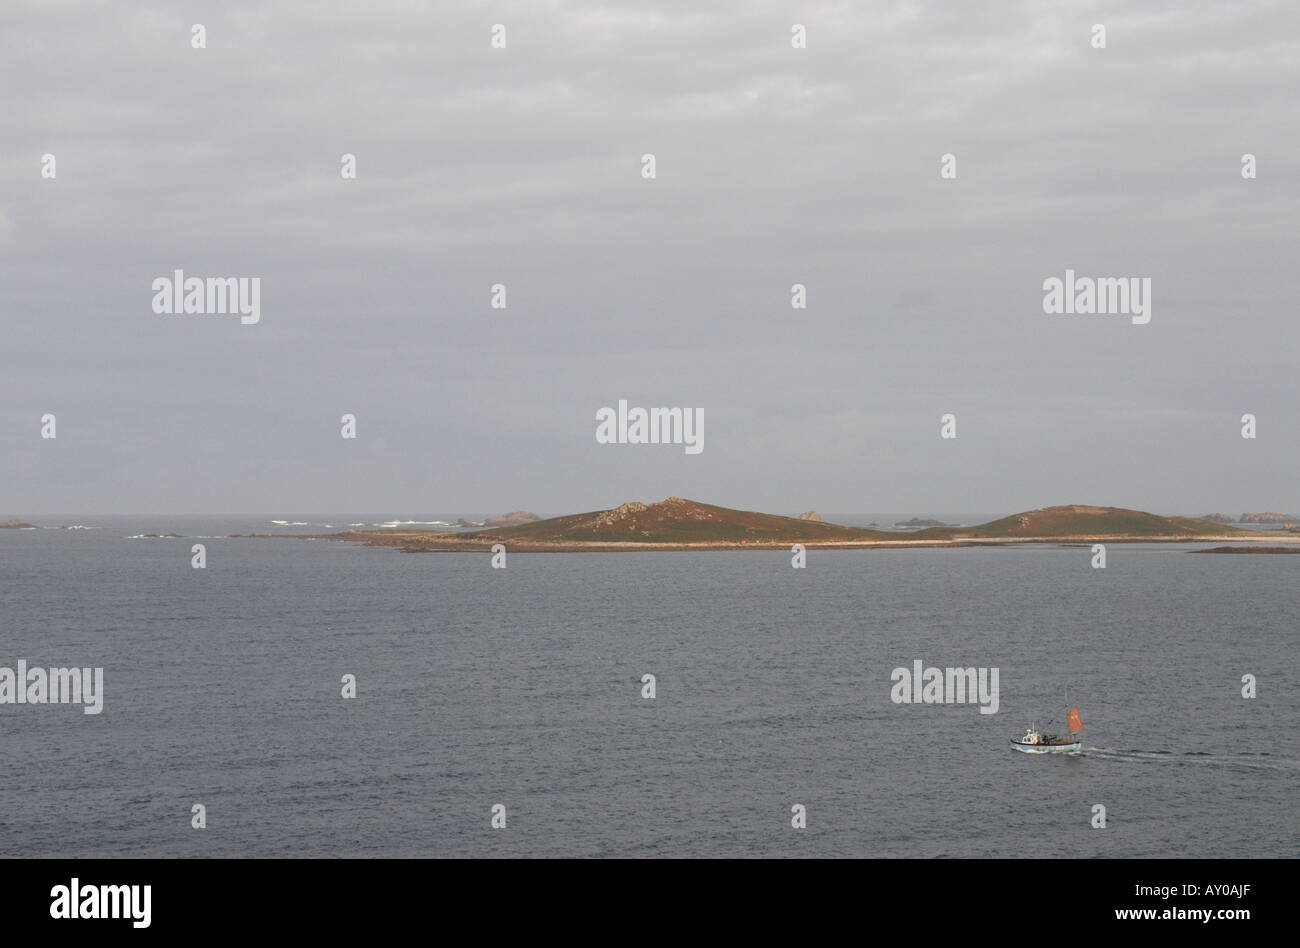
(1219, 518)
(811, 515)
(17, 525)
(1268, 518)
(515, 518)
(1250, 549)
(918, 522)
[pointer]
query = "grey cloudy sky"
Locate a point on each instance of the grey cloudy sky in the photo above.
(522, 166)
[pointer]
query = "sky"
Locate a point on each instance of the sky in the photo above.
(522, 166)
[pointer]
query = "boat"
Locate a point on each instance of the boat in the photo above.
(1036, 742)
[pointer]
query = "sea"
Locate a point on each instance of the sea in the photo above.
(505, 712)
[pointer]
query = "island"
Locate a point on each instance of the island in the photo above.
(18, 525)
(681, 524)
(513, 519)
(1269, 518)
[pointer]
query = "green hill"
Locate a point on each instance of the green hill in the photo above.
(679, 521)
(1078, 520)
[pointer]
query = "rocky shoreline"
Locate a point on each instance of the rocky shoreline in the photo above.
(1250, 549)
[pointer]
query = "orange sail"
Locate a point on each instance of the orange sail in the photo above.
(1076, 723)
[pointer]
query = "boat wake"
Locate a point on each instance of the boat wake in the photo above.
(1193, 758)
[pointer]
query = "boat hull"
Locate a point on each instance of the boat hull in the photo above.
(1046, 748)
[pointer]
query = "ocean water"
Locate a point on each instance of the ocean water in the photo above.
(523, 687)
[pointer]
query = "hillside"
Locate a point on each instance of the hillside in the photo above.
(676, 520)
(1078, 520)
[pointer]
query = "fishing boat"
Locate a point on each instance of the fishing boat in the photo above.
(1036, 742)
